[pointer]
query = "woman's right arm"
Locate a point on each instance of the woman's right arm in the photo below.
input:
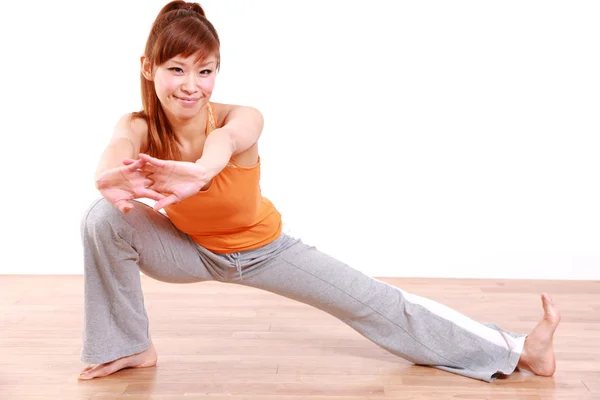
(127, 140)
(120, 182)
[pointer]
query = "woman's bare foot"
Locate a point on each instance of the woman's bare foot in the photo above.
(147, 358)
(538, 352)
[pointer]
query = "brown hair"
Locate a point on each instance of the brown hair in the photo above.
(180, 29)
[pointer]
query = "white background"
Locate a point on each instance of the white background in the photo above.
(427, 138)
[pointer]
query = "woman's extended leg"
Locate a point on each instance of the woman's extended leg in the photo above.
(412, 327)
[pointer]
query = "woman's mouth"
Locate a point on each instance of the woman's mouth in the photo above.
(187, 100)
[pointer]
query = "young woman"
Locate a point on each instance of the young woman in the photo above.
(199, 160)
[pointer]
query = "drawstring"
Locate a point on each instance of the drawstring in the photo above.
(236, 261)
(239, 268)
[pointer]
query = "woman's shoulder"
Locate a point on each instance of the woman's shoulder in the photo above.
(134, 126)
(137, 121)
(223, 111)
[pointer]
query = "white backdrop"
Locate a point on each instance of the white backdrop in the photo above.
(429, 138)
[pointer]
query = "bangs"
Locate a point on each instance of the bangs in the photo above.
(186, 37)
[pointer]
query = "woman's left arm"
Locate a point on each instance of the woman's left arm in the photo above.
(242, 127)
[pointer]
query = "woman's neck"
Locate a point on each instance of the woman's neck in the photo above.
(191, 129)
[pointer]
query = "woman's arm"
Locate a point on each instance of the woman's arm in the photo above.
(126, 142)
(242, 127)
(120, 183)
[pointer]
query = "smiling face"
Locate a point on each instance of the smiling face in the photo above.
(183, 85)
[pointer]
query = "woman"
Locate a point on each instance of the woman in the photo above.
(199, 161)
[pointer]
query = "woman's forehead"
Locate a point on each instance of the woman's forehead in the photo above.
(198, 59)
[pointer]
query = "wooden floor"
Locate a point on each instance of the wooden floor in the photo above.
(217, 341)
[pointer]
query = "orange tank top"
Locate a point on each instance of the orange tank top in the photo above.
(231, 215)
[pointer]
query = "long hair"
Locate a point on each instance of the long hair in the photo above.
(180, 29)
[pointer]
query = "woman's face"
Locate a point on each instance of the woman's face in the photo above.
(184, 85)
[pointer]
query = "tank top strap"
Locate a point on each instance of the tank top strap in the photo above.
(211, 125)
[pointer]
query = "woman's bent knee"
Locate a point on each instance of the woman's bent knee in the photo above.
(99, 213)
(102, 215)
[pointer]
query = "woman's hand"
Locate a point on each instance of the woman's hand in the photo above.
(177, 179)
(121, 184)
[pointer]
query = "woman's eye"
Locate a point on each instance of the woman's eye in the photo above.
(176, 69)
(205, 72)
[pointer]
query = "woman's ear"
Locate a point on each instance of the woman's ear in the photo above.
(146, 67)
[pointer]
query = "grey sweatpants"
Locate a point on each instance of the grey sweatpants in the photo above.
(117, 246)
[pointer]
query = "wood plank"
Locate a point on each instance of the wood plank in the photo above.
(234, 342)
(405, 396)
